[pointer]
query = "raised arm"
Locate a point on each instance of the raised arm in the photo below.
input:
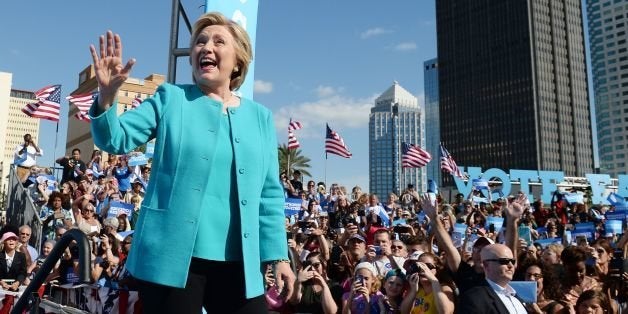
(443, 238)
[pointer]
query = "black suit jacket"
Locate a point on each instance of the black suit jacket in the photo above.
(18, 267)
(481, 299)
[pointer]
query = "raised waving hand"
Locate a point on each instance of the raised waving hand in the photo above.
(110, 72)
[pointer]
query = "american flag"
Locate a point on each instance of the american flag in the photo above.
(335, 145)
(47, 105)
(83, 102)
(293, 143)
(413, 156)
(448, 164)
(136, 103)
(294, 125)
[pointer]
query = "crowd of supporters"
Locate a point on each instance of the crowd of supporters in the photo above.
(352, 251)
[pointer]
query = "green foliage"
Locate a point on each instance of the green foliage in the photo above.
(297, 160)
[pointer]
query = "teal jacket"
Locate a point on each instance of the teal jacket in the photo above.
(181, 119)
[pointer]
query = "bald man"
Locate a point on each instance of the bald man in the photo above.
(493, 294)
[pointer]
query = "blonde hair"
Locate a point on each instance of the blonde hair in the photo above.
(243, 48)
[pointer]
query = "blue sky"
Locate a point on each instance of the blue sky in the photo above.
(317, 61)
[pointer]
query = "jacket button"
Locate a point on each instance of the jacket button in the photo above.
(237, 140)
(243, 202)
(246, 234)
(241, 171)
(204, 157)
(232, 111)
(211, 131)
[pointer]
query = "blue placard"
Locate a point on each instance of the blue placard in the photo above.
(614, 226)
(459, 233)
(292, 206)
(545, 242)
(526, 290)
(150, 150)
(480, 184)
(617, 215)
(243, 12)
(138, 160)
(497, 222)
(584, 228)
(574, 198)
(117, 208)
(525, 234)
(478, 200)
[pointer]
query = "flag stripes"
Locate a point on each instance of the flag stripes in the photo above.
(413, 156)
(334, 144)
(47, 105)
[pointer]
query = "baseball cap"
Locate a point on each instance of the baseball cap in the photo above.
(355, 236)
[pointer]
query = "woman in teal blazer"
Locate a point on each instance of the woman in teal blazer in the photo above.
(214, 204)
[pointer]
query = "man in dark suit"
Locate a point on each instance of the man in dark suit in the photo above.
(12, 263)
(493, 294)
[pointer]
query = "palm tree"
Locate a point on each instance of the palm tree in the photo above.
(297, 161)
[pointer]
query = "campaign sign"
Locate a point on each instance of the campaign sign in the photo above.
(497, 223)
(574, 198)
(138, 160)
(118, 208)
(150, 150)
(614, 226)
(526, 290)
(617, 215)
(585, 228)
(292, 206)
(459, 233)
(545, 242)
(478, 200)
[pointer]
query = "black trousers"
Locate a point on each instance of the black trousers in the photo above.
(217, 286)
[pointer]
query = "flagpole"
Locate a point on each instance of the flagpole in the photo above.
(325, 168)
(54, 153)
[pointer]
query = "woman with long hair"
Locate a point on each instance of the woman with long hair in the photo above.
(547, 287)
(311, 290)
(431, 290)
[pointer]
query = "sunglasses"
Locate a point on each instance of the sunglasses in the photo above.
(398, 247)
(535, 276)
(600, 251)
(502, 261)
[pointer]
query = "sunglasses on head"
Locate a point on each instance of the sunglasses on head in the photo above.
(502, 261)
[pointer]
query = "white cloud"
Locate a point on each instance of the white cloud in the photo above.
(337, 110)
(374, 32)
(407, 46)
(262, 87)
(325, 91)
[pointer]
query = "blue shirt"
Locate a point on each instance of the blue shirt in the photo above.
(218, 236)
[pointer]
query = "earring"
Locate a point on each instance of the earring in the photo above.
(236, 69)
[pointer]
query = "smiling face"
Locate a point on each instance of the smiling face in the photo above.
(393, 286)
(213, 58)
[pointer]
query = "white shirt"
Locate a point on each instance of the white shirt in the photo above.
(9, 260)
(507, 295)
(28, 159)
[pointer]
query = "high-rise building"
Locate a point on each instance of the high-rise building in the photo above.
(395, 118)
(608, 24)
(513, 84)
(13, 122)
(79, 133)
(432, 122)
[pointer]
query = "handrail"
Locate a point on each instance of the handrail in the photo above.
(85, 266)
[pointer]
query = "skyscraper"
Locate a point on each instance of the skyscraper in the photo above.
(607, 22)
(432, 123)
(395, 118)
(513, 84)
